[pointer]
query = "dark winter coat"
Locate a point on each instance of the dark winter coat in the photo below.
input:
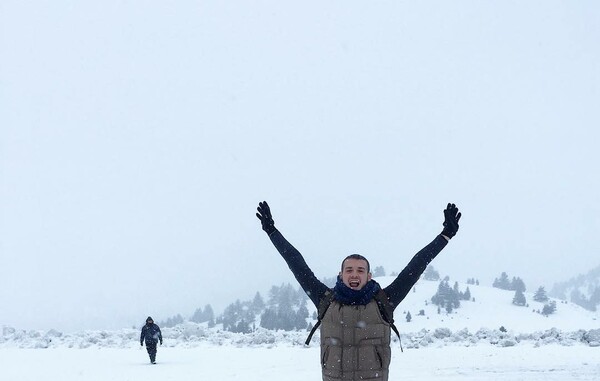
(355, 339)
(151, 334)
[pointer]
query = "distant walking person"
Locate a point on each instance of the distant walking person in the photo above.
(151, 335)
(356, 314)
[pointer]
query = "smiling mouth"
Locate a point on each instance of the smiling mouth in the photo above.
(354, 283)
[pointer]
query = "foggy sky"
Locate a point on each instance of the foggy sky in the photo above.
(137, 139)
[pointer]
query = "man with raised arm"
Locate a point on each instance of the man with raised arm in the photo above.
(356, 316)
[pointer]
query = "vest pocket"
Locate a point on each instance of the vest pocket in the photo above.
(379, 358)
(325, 355)
(370, 359)
(331, 360)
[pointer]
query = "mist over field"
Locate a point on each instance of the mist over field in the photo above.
(136, 142)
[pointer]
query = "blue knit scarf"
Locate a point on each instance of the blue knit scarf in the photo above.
(346, 295)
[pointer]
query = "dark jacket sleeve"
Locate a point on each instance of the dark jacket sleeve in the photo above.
(314, 288)
(397, 291)
(142, 334)
(159, 333)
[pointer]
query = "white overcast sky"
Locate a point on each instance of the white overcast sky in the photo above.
(137, 138)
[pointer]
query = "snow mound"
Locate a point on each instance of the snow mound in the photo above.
(192, 335)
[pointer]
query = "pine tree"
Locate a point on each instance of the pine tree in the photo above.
(258, 304)
(519, 298)
(595, 296)
(231, 316)
(408, 317)
(208, 313)
(268, 319)
(301, 315)
(286, 318)
(467, 294)
(431, 274)
(273, 295)
(172, 321)
(379, 271)
(286, 308)
(446, 295)
(518, 284)
(198, 316)
(503, 283)
(242, 327)
(540, 295)
(549, 308)
(238, 317)
(442, 294)
(302, 296)
(201, 316)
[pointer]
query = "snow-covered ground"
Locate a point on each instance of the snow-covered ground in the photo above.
(223, 363)
(468, 344)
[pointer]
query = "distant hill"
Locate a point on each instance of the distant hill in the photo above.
(583, 290)
(492, 309)
(487, 307)
(491, 318)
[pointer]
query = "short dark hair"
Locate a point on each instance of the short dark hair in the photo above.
(357, 256)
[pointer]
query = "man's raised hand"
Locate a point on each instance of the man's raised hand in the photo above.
(264, 215)
(451, 218)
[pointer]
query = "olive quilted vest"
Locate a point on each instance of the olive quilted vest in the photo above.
(355, 343)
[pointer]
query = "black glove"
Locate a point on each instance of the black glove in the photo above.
(451, 217)
(264, 215)
(161, 342)
(142, 344)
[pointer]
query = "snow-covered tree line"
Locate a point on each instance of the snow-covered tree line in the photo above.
(285, 307)
(200, 316)
(448, 297)
(518, 286)
(583, 290)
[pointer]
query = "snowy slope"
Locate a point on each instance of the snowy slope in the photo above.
(491, 309)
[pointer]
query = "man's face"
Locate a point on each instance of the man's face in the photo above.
(354, 273)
